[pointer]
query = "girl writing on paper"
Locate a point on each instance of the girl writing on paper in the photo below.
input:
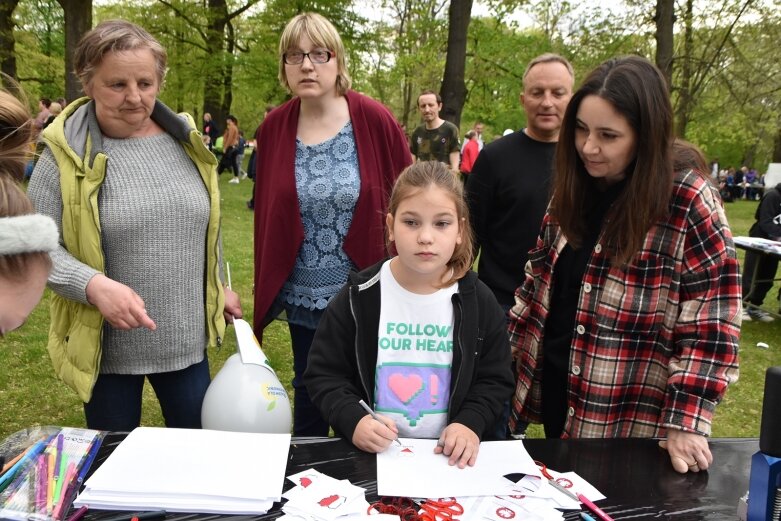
(417, 336)
(25, 237)
(627, 322)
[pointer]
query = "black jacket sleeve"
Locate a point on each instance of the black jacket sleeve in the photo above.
(770, 214)
(492, 381)
(331, 375)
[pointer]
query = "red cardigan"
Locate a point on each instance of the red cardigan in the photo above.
(382, 154)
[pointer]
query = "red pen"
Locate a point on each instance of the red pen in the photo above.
(594, 508)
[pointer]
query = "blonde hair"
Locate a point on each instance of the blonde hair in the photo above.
(420, 176)
(15, 135)
(321, 33)
(115, 36)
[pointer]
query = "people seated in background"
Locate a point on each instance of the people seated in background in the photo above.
(627, 327)
(750, 178)
(25, 237)
(760, 270)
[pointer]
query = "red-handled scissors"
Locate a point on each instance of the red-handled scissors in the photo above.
(558, 486)
(442, 509)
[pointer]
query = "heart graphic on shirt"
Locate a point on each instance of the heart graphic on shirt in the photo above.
(405, 387)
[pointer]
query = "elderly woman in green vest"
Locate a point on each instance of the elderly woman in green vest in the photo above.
(137, 278)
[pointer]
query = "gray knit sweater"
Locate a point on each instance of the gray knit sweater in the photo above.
(154, 212)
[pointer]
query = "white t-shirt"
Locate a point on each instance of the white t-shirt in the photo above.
(414, 357)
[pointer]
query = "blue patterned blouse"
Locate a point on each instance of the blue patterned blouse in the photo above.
(328, 183)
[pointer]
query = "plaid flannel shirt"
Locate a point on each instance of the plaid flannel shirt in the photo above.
(656, 341)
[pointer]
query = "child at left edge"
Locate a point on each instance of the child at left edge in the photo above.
(418, 336)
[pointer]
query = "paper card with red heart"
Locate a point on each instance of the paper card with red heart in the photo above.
(326, 498)
(302, 480)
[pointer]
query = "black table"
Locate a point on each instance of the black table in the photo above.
(634, 474)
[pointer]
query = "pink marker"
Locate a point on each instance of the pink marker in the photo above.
(433, 382)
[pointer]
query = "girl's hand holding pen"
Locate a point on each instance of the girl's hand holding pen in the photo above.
(460, 444)
(374, 434)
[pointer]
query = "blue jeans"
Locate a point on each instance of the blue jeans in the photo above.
(116, 398)
(307, 420)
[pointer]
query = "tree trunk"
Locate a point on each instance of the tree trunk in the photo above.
(78, 21)
(777, 146)
(453, 89)
(685, 88)
(665, 19)
(215, 71)
(7, 42)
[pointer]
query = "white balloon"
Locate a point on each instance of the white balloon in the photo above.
(246, 395)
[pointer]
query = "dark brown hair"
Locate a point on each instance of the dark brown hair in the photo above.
(636, 90)
(421, 175)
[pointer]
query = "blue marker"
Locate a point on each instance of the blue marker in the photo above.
(586, 517)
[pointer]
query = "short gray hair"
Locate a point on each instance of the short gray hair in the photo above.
(115, 36)
(550, 57)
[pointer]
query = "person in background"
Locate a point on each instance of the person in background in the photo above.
(251, 165)
(509, 187)
(436, 139)
(43, 114)
(478, 130)
(54, 110)
(759, 270)
(326, 161)
(137, 278)
(471, 149)
(230, 149)
(26, 238)
(210, 129)
(363, 346)
(627, 322)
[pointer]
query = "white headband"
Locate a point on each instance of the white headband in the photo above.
(27, 234)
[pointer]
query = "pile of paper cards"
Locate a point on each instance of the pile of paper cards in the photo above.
(318, 497)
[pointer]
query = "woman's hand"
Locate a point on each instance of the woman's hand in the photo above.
(460, 443)
(119, 304)
(232, 306)
(689, 452)
(373, 436)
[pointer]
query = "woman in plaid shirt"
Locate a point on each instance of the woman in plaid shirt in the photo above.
(632, 293)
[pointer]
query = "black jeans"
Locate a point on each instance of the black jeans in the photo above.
(763, 269)
(116, 398)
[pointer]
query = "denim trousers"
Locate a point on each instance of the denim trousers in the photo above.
(116, 398)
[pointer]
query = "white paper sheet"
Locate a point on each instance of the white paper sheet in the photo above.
(413, 470)
(167, 468)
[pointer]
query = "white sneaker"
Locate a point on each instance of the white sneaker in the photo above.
(243, 175)
(234, 181)
(745, 317)
(759, 315)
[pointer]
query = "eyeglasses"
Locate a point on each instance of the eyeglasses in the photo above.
(297, 57)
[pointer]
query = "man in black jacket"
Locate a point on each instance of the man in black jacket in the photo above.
(760, 270)
(508, 189)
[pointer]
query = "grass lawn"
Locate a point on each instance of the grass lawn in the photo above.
(30, 394)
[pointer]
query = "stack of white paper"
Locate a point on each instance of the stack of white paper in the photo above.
(191, 470)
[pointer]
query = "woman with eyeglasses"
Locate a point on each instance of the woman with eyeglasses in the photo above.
(326, 162)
